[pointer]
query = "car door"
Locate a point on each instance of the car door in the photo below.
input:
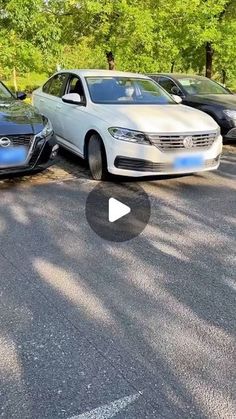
(49, 100)
(75, 118)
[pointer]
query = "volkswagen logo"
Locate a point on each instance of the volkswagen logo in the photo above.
(5, 142)
(188, 142)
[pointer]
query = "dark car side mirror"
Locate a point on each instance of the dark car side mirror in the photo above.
(21, 95)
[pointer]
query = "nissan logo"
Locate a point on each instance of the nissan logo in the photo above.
(188, 142)
(5, 142)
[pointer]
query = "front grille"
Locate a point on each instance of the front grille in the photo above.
(20, 140)
(167, 142)
(139, 165)
(23, 140)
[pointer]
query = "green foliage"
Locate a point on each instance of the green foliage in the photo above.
(83, 54)
(144, 36)
(28, 82)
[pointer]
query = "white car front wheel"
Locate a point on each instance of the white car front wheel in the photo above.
(97, 158)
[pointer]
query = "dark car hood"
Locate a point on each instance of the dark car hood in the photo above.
(224, 100)
(17, 117)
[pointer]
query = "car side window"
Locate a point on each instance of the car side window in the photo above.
(167, 84)
(56, 85)
(46, 86)
(155, 78)
(75, 86)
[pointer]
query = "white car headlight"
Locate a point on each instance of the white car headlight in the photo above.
(125, 134)
(47, 130)
(230, 113)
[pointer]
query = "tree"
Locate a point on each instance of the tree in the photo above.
(29, 37)
(144, 36)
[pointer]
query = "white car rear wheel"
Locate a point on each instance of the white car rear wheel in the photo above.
(97, 158)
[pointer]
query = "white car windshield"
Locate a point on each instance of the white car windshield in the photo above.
(197, 86)
(120, 90)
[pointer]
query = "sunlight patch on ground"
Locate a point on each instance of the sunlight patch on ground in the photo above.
(73, 290)
(3, 225)
(10, 367)
(231, 283)
(19, 214)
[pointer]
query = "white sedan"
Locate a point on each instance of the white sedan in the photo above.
(126, 124)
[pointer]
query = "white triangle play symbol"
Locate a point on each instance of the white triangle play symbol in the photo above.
(117, 210)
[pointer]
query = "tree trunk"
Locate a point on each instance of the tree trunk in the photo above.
(209, 59)
(224, 77)
(172, 67)
(14, 79)
(110, 60)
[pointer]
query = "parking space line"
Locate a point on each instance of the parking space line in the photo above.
(109, 410)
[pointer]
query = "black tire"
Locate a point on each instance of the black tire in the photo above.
(97, 158)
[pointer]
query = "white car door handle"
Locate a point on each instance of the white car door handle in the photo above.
(41, 100)
(58, 107)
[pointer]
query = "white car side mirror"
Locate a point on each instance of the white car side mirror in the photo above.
(73, 98)
(177, 99)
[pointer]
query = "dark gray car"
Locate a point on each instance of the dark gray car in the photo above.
(203, 94)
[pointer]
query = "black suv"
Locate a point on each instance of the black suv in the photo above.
(206, 95)
(27, 140)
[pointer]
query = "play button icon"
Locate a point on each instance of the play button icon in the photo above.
(117, 212)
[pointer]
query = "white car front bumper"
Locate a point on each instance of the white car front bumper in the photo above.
(137, 160)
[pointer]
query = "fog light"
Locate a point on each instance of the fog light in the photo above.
(54, 151)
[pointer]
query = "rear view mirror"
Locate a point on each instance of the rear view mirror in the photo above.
(73, 98)
(177, 99)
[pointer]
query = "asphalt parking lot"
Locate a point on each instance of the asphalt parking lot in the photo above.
(92, 329)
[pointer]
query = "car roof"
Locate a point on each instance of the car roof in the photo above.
(104, 73)
(178, 76)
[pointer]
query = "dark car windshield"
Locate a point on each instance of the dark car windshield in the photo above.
(124, 90)
(195, 86)
(4, 92)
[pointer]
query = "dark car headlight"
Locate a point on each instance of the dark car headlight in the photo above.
(231, 114)
(46, 131)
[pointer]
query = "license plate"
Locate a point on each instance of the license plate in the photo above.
(188, 162)
(12, 156)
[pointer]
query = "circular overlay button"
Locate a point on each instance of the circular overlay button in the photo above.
(118, 212)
